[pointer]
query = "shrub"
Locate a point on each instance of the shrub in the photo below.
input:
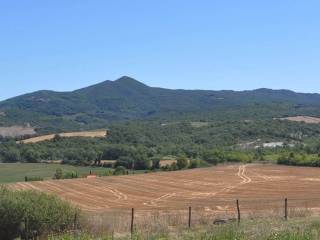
(58, 174)
(32, 179)
(194, 163)
(213, 157)
(34, 213)
(119, 171)
(182, 162)
(70, 175)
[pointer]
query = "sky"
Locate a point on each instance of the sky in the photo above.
(63, 45)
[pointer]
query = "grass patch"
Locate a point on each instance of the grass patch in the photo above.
(16, 172)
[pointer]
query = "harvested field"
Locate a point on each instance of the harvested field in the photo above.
(16, 131)
(97, 133)
(211, 190)
(166, 162)
(305, 119)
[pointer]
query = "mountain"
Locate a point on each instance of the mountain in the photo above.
(128, 99)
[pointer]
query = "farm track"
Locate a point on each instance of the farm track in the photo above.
(211, 189)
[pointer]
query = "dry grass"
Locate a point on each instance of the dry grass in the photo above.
(147, 223)
(97, 133)
(262, 229)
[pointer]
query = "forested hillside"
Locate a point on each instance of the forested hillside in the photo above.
(127, 99)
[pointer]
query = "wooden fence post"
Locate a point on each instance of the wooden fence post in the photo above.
(75, 222)
(238, 210)
(26, 228)
(286, 209)
(189, 222)
(132, 221)
(75, 225)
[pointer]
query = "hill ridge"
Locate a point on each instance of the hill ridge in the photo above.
(126, 98)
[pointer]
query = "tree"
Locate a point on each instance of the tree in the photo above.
(125, 161)
(155, 162)
(11, 155)
(30, 155)
(213, 157)
(57, 138)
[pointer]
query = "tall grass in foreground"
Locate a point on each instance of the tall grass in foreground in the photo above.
(296, 229)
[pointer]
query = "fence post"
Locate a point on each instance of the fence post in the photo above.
(132, 221)
(75, 224)
(238, 210)
(286, 209)
(26, 228)
(189, 222)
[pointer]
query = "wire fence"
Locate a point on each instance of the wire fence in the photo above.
(129, 221)
(219, 212)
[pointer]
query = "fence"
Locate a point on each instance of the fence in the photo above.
(222, 211)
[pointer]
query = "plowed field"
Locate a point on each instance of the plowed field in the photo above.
(258, 187)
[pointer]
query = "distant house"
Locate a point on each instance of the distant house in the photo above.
(273, 144)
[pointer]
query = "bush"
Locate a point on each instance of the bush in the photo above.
(182, 162)
(120, 171)
(32, 179)
(213, 157)
(194, 163)
(70, 175)
(58, 174)
(36, 213)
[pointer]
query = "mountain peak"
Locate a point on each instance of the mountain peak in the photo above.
(125, 78)
(129, 81)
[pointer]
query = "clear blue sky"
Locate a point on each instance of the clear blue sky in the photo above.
(204, 44)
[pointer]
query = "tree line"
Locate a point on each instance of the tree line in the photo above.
(141, 145)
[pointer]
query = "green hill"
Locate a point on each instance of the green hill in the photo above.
(128, 99)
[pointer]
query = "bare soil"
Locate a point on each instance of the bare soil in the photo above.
(215, 189)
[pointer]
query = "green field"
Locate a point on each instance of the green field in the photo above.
(16, 172)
